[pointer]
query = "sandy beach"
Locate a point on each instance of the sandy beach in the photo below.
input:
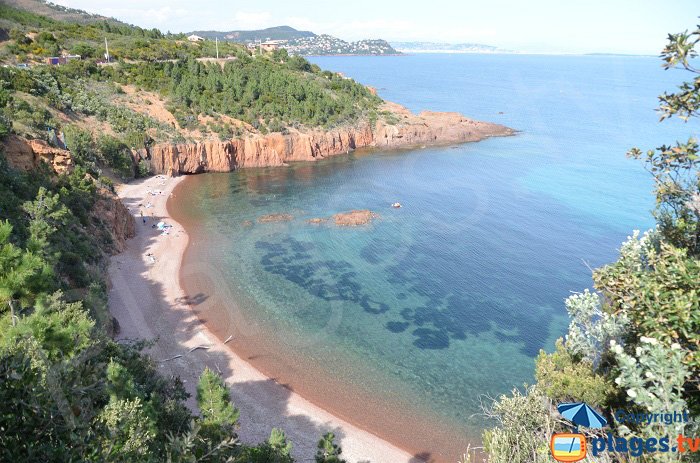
(147, 300)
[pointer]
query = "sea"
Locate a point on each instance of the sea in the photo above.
(411, 325)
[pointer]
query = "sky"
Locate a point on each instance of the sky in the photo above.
(537, 26)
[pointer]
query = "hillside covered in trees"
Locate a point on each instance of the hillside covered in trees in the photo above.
(161, 85)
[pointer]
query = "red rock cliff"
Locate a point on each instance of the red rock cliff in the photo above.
(26, 154)
(277, 149)
(115, 221)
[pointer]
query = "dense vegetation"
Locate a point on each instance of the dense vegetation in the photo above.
(35, 35)
(634, 342)
(282, 89)
(68, 392)
(53, 104)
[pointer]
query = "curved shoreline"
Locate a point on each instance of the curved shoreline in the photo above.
(148, 301)
(356, 393)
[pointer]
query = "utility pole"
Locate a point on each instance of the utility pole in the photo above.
(217, 47)
(107, 51)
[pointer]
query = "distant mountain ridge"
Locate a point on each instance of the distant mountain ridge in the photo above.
(304, 42)
(441, 47)
(270, 33)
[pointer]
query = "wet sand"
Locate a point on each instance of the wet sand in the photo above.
(148, 301)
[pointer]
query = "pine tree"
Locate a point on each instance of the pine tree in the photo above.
(279, 443)
(46, 214)
(328, 451)
(219, 416)
(22, 273)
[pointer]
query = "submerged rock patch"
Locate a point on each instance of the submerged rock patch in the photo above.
(354, 218)
(275, 218)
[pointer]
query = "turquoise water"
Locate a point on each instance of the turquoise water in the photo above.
(435, 305)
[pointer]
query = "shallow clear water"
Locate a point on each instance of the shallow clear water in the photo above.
(451, 297)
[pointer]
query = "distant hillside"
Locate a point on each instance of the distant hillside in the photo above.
(271, 33)
(161, 85)
(439, 47)
(58, 12)
(298, 42)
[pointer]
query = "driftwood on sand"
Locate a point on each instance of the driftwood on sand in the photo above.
(198, 347)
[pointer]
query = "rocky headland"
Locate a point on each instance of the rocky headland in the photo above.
(277, 149)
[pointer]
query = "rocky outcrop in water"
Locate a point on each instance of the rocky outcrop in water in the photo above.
(275, 218)
(276, 149)
(354, 218)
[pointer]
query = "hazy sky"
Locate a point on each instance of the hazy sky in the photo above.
(573, 26)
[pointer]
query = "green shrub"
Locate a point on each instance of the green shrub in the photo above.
(327, 450)
(525, 424)
(5, 126)
(116, 155)
(144, 169)
(565, 378)
(85, 50)
(658, 290)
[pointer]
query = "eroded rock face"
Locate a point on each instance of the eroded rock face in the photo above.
(116, 222)
(257, 151)
(426, 128)
(23, 154)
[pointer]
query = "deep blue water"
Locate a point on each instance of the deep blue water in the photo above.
(452, 296)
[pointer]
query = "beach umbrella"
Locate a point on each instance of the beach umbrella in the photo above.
(581, 415)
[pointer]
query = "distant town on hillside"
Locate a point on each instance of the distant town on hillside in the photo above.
(301, 42)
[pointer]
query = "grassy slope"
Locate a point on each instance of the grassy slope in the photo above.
(57, 12)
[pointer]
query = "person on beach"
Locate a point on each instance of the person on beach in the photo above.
(143, 218)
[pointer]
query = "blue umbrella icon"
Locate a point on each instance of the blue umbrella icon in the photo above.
(581, 415)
